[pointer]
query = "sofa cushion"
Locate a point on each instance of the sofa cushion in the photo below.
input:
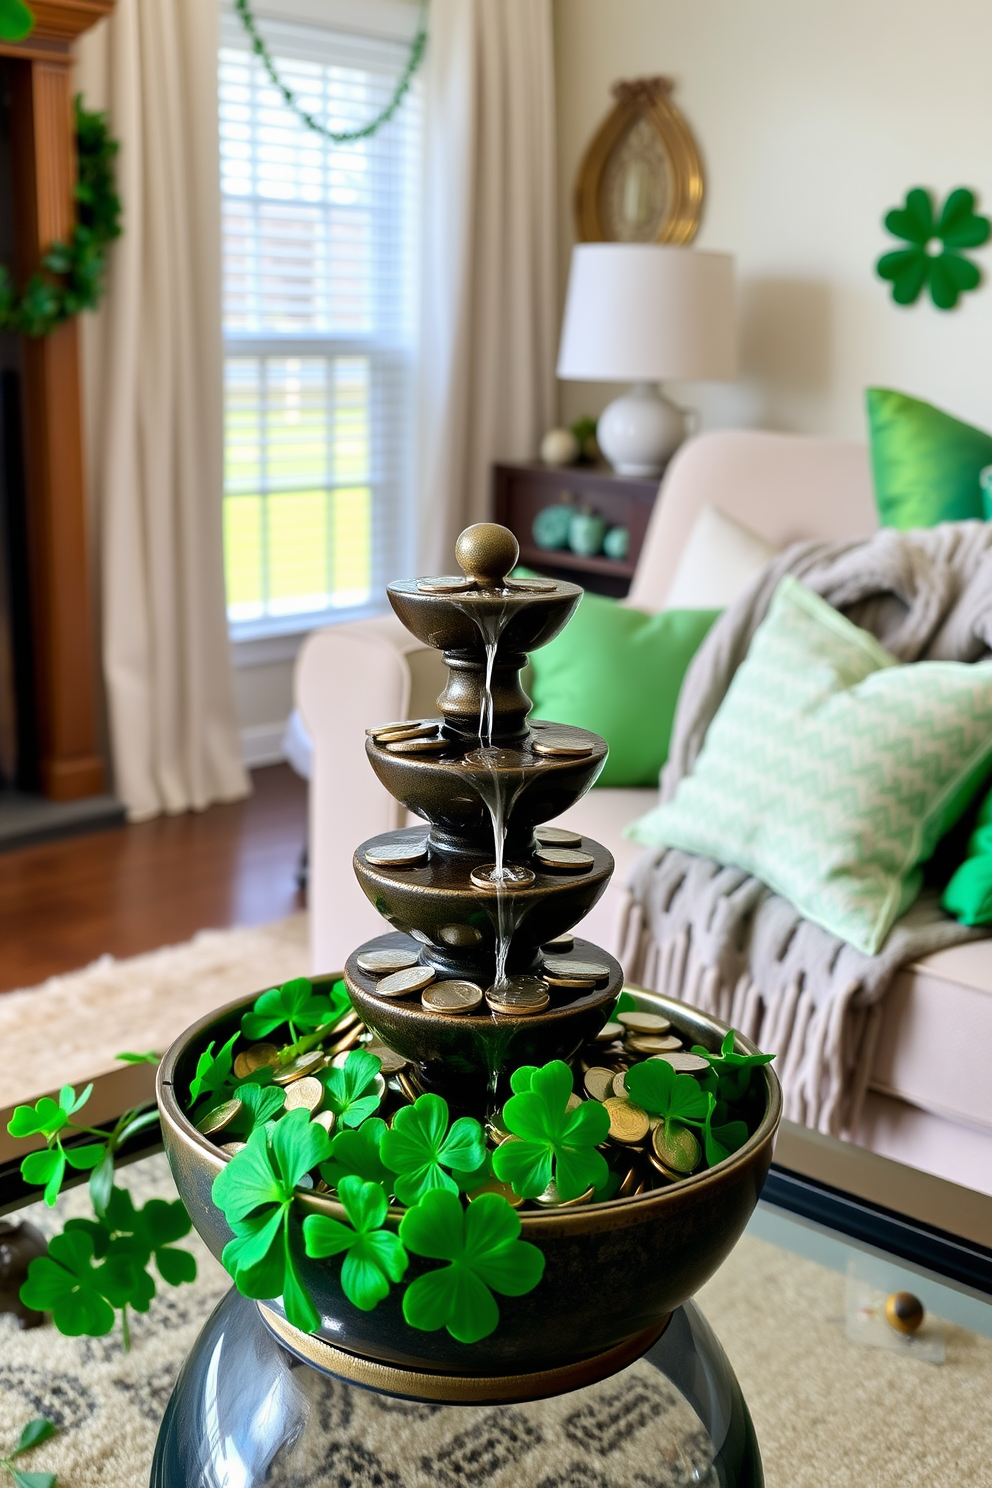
(926, 464)
(719, 560)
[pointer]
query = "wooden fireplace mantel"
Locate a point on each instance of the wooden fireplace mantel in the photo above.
(43, 147)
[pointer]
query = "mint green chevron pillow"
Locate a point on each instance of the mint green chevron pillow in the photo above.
(831, 771)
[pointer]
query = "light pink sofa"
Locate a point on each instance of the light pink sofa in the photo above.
(930, 1101)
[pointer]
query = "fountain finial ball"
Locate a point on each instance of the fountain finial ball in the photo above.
(487, 552)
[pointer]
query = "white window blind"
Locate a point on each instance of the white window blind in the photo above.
(318, 274)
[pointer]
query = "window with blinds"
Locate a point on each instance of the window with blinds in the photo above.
(318, 275)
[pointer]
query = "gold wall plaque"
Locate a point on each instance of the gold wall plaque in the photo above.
(641, 180)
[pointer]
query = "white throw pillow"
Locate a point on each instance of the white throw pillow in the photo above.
(719, 560)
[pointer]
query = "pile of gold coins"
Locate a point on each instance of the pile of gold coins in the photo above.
(640, 1153)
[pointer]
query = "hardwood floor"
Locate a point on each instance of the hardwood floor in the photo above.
(135, 888)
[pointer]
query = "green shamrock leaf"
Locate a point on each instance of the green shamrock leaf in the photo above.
(657, 1089)
(66, 1283)
(255, 1191)
(720, 1141)
(419, 1146)
(212, 1072)
(947, 271)
(733, 1070)
(348, 1088)
(149, 1058)
(47, 1166)
(295, 1004)
(142, 1234)
(259, 1104)
(356, 1154)
(554, 1141)
(373, 1256)
(484, 1253)
(34, 1433)
(48, 1117)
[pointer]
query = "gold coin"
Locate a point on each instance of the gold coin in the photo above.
(326, 1119)
(233, 1148)
(515, 876)
(241, 1066)
(549, 1199)
(435, 745)
(560, 944)
(564, 860)
(608, 1033)
(496, 1186)
(402, 983)
(570, 966)
(654, 1043)
(563, 746)
(660, 1167)
(297, 1068)
(574, 1102)
(260, 1055)
(628, 1123)
(677, 1148)
(519, 996)
(451, 997)
(620, 1085)
(583, 984)
(305, 1094)
(445, 584)
(598, 1082)
(533, 584)
(405, 1081)
(628, 1183)
(388, 1058)
(558, 837)
(398, 854)
(423, 729)
(381, 963)
(644, 1022)
(496, 1131)
(349, 1040)
(402, 726)
(219, 1117)
(686, 1064)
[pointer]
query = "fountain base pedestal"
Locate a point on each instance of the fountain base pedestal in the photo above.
(242, 1413)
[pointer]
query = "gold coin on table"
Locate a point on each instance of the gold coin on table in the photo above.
(260, 1055)
(451, 997)
(446, 584)
(496, 1186)
(519, 996)
(381, 963)
(560, 944)
(644, 1022)
(608, 1033)
(653, 1043)
(402, 983)
(515, 876)
(561, 746)
(305, 1094)
(306, 1064)
(571, 966)
(677, 1148)
(437, 744)
(389, 1060)
(620, 1085)
(558, 837)
(219, 1117)
(326, 1119)
(233, 1148)
(398, 854)
(685, 1064)
(598, 1082)
(628, 1123)
(563, 860)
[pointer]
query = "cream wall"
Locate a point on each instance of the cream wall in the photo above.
(812, 119)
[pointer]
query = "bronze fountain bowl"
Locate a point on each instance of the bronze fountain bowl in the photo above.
(614, 1273)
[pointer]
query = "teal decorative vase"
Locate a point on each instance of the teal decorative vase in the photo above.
(585, 534)
(616, 543)
(550, 527)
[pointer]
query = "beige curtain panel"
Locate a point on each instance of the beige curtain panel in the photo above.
(489, 305)
(154, 402)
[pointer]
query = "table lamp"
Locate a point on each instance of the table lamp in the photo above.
(641, 313)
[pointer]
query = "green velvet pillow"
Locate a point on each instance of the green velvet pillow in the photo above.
(968, 896)
(926, 464)
(618, 672)
(830, 770)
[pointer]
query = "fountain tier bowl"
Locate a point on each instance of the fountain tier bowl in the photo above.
(613, 1274)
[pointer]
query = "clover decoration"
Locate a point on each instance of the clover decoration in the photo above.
(682, 1102)
(351, 1092)
(296, 1005)
(34, 1433)
(419, 1146)
(948, 272)
(554, 1142)
(50, 1119)
(373, 1255)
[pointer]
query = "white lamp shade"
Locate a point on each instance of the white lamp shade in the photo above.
(646, 312)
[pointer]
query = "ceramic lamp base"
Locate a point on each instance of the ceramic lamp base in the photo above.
(639, 431)
(246, 1410)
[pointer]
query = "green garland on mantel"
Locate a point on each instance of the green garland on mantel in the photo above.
(336, 136)
(71, 275)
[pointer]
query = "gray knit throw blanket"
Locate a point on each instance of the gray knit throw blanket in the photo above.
(718, 938)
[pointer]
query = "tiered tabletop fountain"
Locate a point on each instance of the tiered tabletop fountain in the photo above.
(479, 995)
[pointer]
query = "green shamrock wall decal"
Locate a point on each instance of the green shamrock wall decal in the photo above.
(255, 1191)
(554, 1141)
(373, 1256)
(419, 1147)
(934, 254)
(484, 1253)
